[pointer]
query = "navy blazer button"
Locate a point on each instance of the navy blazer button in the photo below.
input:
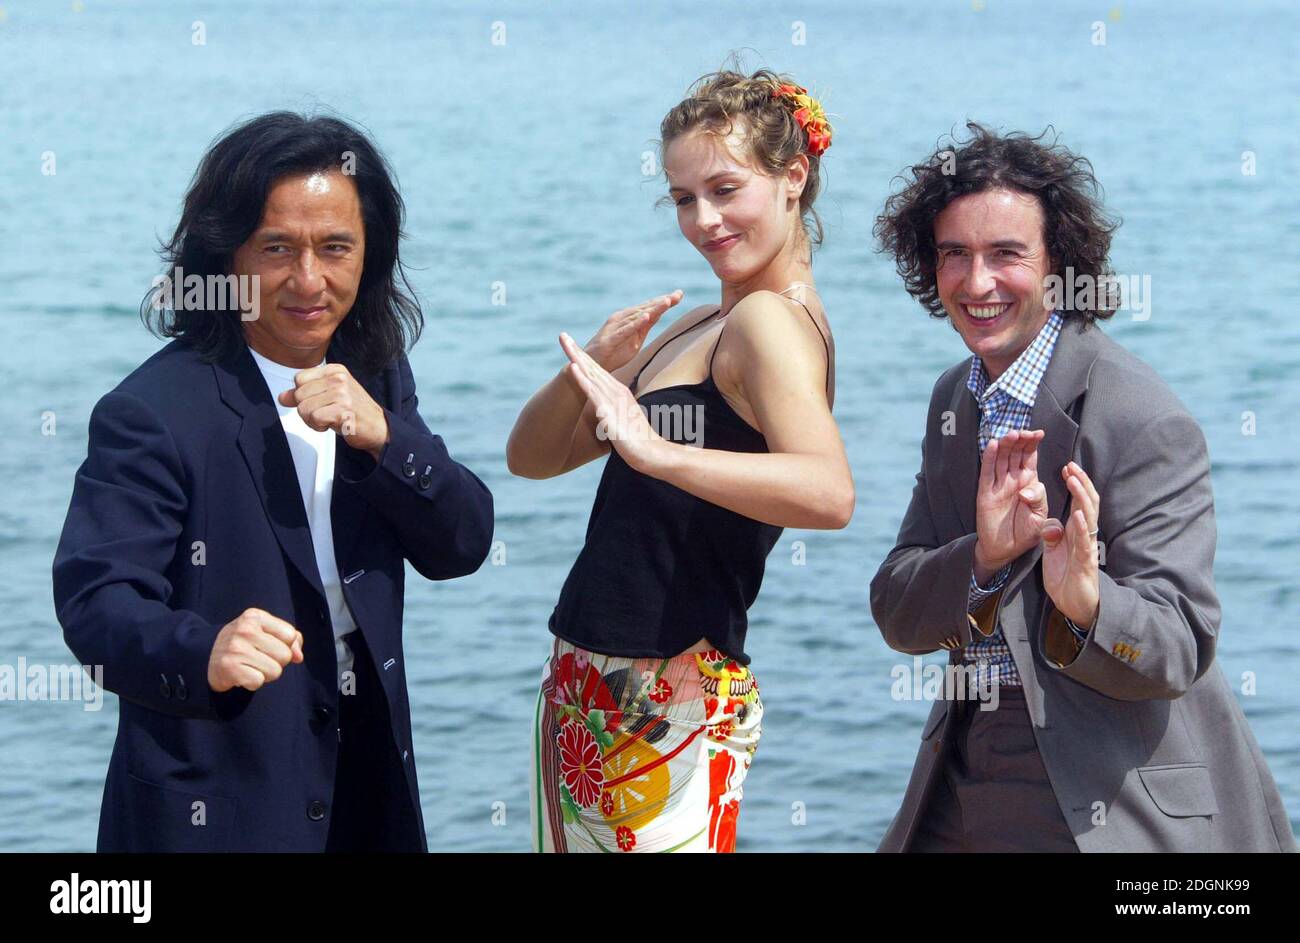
(165, 689)
(316, 811)
(322, 713)
(408, 467)
(425, 481)
(182, 692)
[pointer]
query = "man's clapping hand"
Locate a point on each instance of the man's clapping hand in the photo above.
(1010, 503)
(1071, 573)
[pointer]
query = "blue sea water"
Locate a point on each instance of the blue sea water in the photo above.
(522, 166)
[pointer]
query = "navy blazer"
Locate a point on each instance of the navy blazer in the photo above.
(185, 513)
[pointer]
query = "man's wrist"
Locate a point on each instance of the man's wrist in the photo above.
(1084, 624)
(1080, 632)
(376, 450)
(984, 568)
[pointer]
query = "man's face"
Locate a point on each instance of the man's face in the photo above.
(992, 267)
(308, 251)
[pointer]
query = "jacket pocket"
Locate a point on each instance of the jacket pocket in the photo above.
(1180, 789)
(165, 818)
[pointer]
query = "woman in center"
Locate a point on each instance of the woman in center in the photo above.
(719, 435)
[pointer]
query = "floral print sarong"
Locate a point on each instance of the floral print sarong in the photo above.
(641, 754)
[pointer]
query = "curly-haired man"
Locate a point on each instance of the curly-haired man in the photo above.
(1059, 542)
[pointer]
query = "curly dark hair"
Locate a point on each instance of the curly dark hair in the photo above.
(224, 206)
(1077, 232)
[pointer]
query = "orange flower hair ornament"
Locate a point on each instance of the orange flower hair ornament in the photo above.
(808, 112)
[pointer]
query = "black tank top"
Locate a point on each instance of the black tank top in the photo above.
(661, 568)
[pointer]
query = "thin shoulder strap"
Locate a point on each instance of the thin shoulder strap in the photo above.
(715, 353)
(824, 344)
(637, 379)
(819, 331)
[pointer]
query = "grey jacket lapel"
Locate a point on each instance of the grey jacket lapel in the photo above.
(960, 454)
(1065, 380)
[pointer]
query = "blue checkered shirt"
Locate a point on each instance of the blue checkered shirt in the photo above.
(1006, 405)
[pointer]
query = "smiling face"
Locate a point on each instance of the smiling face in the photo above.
(991, 270)
(737, 218)
(308, 251)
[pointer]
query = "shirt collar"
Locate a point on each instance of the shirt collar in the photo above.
(1020, 380)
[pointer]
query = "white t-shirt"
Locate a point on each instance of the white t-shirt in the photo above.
(313, 459)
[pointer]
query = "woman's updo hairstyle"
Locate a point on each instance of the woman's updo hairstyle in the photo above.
(773, 135)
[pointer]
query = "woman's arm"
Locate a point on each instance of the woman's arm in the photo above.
(542, 440)
(556, 430)
(780, 364)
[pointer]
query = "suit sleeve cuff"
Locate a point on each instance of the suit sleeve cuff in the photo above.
(981, 594)
(408, 456)
(1079, 632)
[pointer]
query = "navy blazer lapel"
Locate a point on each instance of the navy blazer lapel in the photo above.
(347, 508)
(266, 451)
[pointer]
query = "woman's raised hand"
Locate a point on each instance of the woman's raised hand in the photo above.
(621, 336)
(619, 418)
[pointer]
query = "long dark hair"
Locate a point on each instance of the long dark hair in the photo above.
(223, 208)
(1077, 231)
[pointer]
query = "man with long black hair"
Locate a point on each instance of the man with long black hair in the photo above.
(233, 552)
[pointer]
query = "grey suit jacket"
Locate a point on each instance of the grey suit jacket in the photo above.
(1144, 742)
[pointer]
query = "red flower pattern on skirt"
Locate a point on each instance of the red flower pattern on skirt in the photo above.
(626, 838)
(580, 684)
(580, 764)
(607, 768)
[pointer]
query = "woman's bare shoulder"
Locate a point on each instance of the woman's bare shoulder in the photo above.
(756, 311)
(771, 329)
